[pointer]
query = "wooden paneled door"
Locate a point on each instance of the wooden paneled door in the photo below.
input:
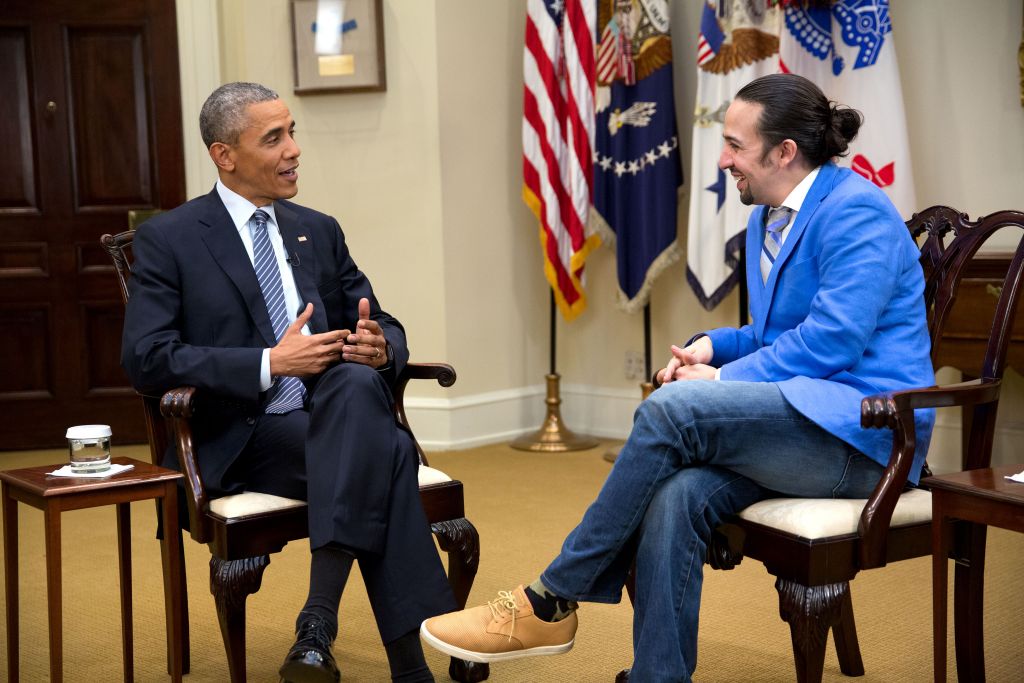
(90, 129)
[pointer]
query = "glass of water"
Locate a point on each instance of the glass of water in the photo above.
(89, 447)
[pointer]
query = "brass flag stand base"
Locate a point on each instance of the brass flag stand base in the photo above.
(553, 436)
(645, 390)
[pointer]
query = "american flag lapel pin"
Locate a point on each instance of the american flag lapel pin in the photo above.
(302, 238)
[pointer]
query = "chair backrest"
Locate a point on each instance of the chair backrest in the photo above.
(949, 240)
(119, 248)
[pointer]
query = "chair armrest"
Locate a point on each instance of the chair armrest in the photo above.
(177, 406)
(895, 410)
(882, 410)
(442, 373)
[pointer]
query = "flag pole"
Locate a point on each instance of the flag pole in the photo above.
(646, 387)
(553, 436)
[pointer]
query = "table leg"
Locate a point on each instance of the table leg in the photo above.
(170, 550)
(940, 570)
(124, 563)
(968, 605)
(51, 520)
(11, 582)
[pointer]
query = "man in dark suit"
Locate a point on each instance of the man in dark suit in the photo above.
(256, 301)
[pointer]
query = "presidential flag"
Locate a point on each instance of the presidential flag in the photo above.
(637, 172)
(558, 139)
(847, 50)
(738, 42)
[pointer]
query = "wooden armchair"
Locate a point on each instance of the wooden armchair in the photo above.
(243, 530)
(815, 548)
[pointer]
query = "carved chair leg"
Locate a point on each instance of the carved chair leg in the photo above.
(810, 611)
(968, 602)
(459, 538)
(231, 582)
(845, 634)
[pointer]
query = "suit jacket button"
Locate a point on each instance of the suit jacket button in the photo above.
(250, 420)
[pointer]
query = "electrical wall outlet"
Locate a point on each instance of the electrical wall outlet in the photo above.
(635, 365)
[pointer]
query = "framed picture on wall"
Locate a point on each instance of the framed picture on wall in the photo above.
(339, 46)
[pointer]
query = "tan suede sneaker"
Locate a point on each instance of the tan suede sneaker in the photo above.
(504, 628)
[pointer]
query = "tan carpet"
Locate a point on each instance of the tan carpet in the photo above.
(742, 637)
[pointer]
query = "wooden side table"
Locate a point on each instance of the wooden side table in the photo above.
(983, 497)
(54, 495)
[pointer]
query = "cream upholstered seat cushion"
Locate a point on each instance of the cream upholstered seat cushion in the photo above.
(252, 503)
(822, 517)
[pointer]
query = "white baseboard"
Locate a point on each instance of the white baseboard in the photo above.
(499, 416)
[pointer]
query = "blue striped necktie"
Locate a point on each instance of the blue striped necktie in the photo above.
(290, 390)
(778, 219)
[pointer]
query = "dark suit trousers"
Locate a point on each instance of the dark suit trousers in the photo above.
(359, 476)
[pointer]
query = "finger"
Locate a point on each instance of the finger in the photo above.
(370, 327)
(301, 319)
(689, 357)
(677, 351)
(364, 309)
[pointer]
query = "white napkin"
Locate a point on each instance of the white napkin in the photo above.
(1019, 477)
(114, 469)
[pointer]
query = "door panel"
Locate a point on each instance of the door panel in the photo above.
(18, 166)
(108, 93)
(93, 131)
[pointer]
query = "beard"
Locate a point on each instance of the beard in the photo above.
(746, 196)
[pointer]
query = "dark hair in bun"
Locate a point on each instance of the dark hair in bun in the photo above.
(795, 108)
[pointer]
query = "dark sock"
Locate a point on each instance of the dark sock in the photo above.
(405, 657)
(328, 572)
(546, 605)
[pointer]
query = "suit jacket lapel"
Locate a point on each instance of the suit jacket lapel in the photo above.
(819, 190)
(298, 244)
(222, 239)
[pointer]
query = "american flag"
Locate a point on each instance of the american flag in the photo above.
(558, 139)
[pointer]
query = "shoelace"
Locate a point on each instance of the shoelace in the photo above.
(505, 602)
(316, 631)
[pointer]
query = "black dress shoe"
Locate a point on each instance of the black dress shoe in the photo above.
(622, 676)
(310, 659)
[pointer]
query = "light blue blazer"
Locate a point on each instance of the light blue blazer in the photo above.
(841, 316)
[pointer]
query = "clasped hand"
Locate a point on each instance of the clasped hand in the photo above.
(301, 355)
(689, 363)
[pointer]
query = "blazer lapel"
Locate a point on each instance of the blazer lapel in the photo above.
(298, 243)
(756, 287)
(222, 239)
(819, 190)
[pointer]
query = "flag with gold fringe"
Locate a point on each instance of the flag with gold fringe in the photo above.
(637, 172)
(558, 139)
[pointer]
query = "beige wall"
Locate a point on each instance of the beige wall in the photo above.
(425, 179)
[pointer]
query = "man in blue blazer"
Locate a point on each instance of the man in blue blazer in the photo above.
(257, 302)
(772, 408)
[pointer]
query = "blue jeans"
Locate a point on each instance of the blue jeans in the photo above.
(699, 452)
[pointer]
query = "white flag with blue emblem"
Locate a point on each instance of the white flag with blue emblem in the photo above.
(847, 50)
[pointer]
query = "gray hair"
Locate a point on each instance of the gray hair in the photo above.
(223, 118)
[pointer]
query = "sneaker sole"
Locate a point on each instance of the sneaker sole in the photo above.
(488, 657)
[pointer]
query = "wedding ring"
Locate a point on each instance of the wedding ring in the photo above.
(377, 349)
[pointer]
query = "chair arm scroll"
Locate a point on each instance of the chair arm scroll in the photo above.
(178, 406)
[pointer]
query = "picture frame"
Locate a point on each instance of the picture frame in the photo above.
(348, 57)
